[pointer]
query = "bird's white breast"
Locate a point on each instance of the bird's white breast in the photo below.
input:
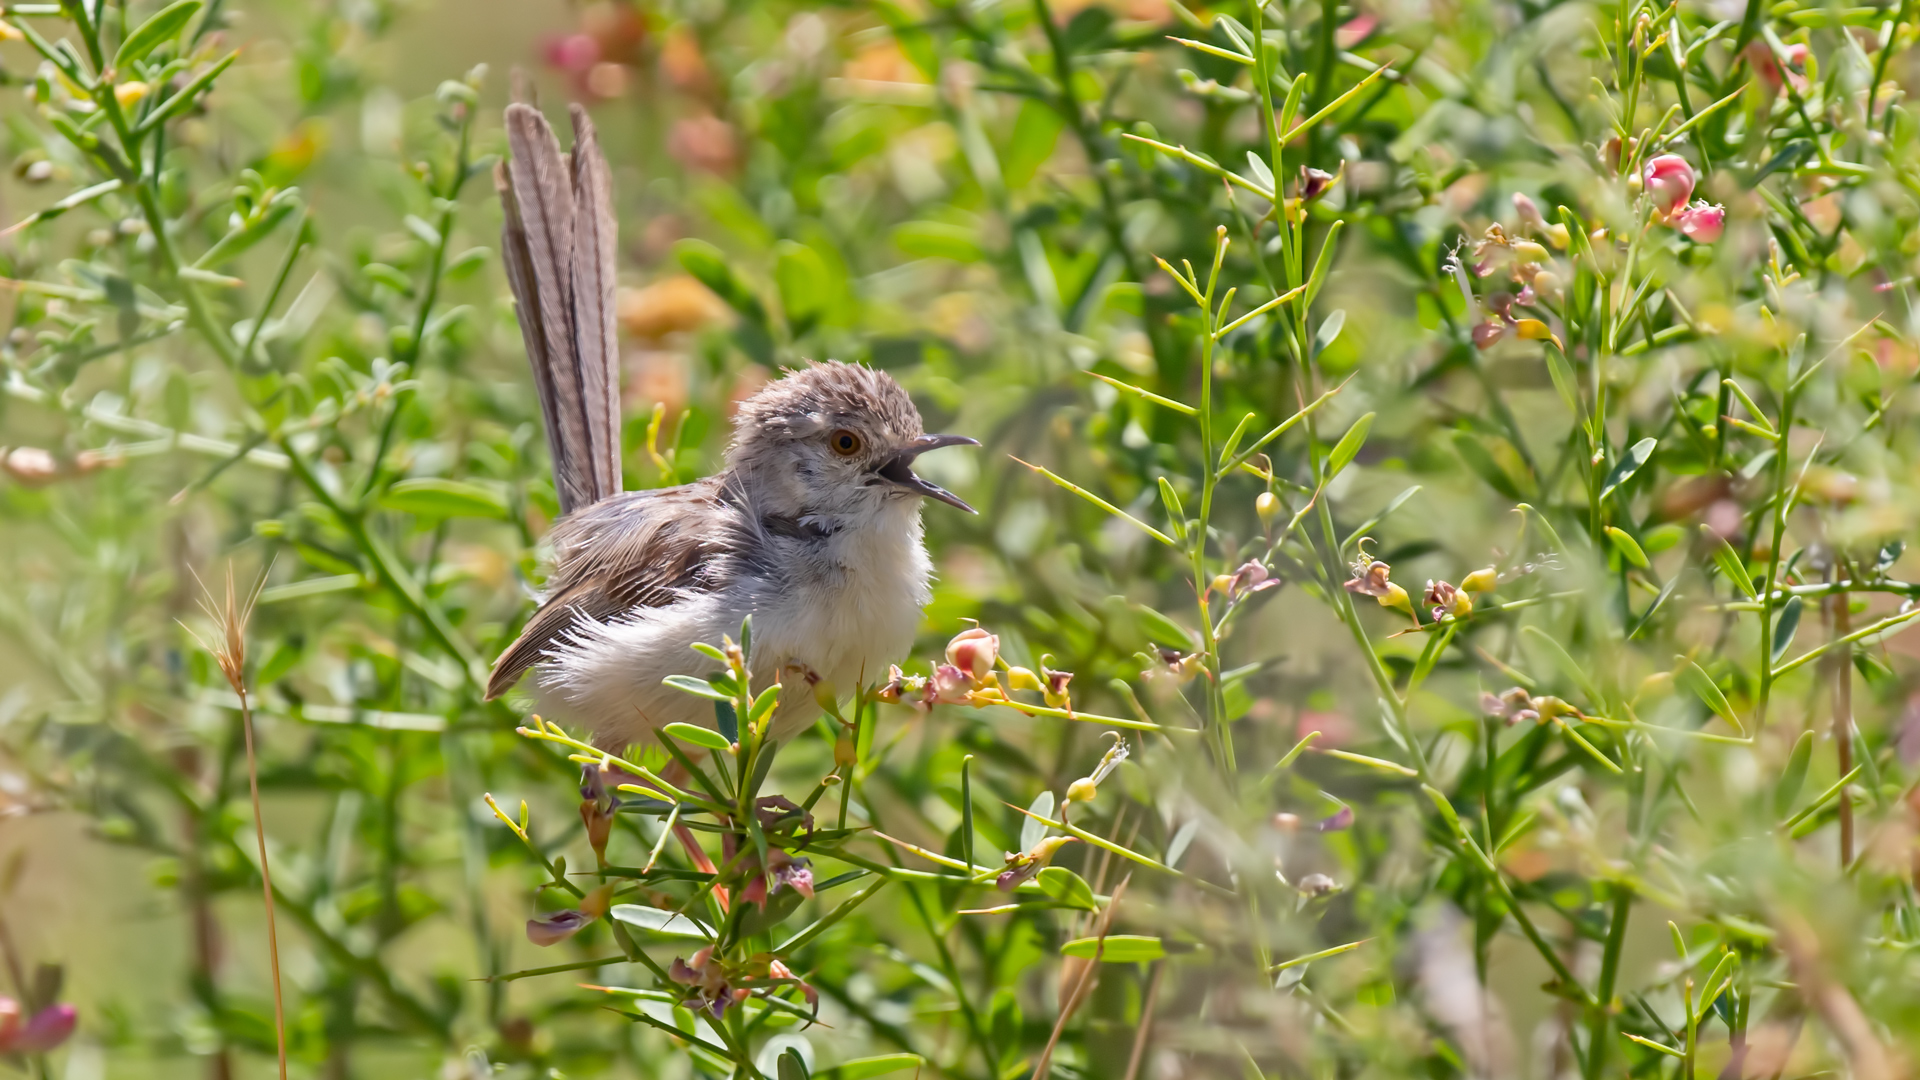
(841, 608)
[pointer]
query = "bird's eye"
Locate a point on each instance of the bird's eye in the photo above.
(844, 442)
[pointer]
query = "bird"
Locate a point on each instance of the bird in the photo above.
(812, 526)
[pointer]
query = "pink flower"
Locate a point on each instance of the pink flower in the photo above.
(45, 1030)
(1354, 31)
(949, 686)
(1669, 182)
(1760, 57)
(974, 652)
(1703, 222)
(574, 52)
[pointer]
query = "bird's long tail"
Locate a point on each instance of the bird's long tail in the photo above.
(558, 247)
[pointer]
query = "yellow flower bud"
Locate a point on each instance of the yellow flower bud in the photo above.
(1267, 506)
(1396, 598)
(1482, 580)
(1019, 678)
(10, 32)
(129, 92)
(1082, 790)
(1044, 851)
(1558, 235)
(1529, 252)
(843, 750)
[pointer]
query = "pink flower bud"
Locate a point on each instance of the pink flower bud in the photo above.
(974, 652)
(1702, 222)
(574, 52)
(48, 1029)
(1669, 182)
(1760, 57)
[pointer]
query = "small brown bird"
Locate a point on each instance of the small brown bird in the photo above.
(812, 526)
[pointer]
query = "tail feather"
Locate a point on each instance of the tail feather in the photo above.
(593, 305)
(558, 241)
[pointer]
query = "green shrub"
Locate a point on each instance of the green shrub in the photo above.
(1597, 320)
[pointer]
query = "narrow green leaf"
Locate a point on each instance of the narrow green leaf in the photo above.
(1563, 380)
(1483, 465)
(1176, 513)
(1629, 463)
(1233, 440)
(861, 1068)
(655, 921)
(764, 704)
(1162, 629)
(966, 809)
(1695, 678)
(1567, 664)
(1329, 331)
(1032, 831)
(1651, 1045)
(1101, 503)
(1628, 549)
(697, 687)
(1732, 566)
(792, 1066)
(163, 27)
(1322, 266)
(1117, 949)
(1067, 887)
(1783, 629)
(1147, 395)
(1349, 445)
(1258, 172)
(432, 497)
(697, 735)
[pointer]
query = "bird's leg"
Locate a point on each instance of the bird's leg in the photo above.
(677, 775)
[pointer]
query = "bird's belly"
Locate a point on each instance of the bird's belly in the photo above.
(843, 629)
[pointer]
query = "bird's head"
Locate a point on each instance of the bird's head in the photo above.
(834, 439)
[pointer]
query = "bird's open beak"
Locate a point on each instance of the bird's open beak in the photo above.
(898, 470)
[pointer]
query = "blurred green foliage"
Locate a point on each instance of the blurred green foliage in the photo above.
(1625, 788)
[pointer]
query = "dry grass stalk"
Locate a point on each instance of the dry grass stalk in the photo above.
(1084, 984)
(230, 615)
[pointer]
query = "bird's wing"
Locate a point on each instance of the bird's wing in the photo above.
(638, 549)
(558, 247)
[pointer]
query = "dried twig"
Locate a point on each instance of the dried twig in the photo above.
(229, 650)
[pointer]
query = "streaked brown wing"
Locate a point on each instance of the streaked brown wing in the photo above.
(637, 549)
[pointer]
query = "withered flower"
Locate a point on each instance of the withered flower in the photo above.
(1338, 821)
(704, 975)
(557, 927)
(1370, 578)
(1026, 864)
(776, 812)
(1446, 600)
(1316, 885)
(597, 808)
(1314, 183)
(1174, 665)
(1513, 706)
